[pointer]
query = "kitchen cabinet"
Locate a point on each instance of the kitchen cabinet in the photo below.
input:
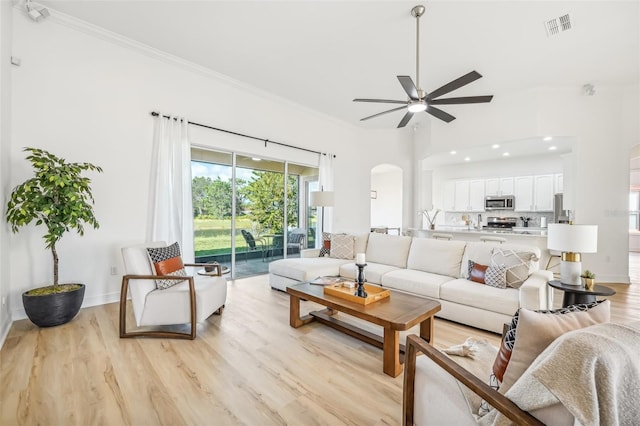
(559, 183)
(448, 196)
(464, 195)
(543, 193)
(523, 193)
(534, 193)
(476, 195)
(499, 186)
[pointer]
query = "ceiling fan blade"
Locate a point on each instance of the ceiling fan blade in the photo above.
(409, 87)
(384, 101)
(405, 119)
(438, 113)
(383, 112)
(455, 84)
(463, 100)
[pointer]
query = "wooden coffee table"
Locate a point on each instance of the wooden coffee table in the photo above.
(396, 313)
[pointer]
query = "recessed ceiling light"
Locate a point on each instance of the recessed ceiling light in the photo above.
(453, 152)
(505, 154)
(547, 138)
(256, 159)
(467, 159)
(495, 146)
(553, 148)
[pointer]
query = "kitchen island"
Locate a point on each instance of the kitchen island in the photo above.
(519, 235)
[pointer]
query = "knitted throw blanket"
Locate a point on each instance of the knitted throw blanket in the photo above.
(594, 372)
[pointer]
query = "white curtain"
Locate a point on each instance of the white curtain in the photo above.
(170, 216)
(326, 184)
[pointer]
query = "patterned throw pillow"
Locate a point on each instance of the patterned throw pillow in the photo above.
(493, 276)
(342, 246)
(517, 264)
(325, 250)
(167, 261)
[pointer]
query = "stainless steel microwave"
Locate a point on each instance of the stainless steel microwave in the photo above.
(499, 202)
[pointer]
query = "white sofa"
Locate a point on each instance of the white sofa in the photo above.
(435, 269)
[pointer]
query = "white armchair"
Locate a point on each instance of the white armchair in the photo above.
(190, 301)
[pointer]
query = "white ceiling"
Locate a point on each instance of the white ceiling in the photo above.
(322, 54)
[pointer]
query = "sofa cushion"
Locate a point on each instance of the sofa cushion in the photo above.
(501, 300)
(306, 269)
(372, 273)
(360, 243)
(388, 249)
(325, 248)
(481, 252)
(342, 246)
(518, 264)
(436, 256)
(416, 282)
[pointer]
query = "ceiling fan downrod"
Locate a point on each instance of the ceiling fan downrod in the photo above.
(417, 12)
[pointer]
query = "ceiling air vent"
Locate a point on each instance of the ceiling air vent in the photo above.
(556, 25)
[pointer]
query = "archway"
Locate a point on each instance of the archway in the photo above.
(386, 198)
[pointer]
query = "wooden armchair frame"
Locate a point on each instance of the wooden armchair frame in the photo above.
(192, 304)
(415, 345)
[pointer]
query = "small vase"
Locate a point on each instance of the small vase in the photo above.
(589, 283)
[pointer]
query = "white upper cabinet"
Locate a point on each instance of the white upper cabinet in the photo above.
(476, 195)
(448, 196)
(559, 183)
(523, 192)
(534, 193)
(464, 195)
(499, 186)
(543, 193)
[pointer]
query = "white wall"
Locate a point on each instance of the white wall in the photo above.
(87, 97)
(386, 208)
(6, 19)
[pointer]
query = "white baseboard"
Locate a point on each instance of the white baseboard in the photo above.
(613, 279)
(5, 326)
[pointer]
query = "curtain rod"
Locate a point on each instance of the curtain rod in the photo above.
(266, 141)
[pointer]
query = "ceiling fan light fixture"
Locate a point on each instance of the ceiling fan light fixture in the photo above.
(417, 106)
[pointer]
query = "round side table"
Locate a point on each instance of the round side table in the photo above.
(575, 294)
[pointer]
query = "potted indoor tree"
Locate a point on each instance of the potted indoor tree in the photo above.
(60, 198)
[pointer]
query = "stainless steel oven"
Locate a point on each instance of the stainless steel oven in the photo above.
(499, 202)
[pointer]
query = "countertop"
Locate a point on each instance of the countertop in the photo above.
(520, 231)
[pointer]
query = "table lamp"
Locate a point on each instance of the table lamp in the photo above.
(321, 199)
(572, 240)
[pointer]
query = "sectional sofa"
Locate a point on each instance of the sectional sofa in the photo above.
(434, 269)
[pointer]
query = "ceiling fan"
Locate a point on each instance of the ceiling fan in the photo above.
(419, 100)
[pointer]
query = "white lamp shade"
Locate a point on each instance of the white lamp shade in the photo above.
(321, 199)
(572, 238)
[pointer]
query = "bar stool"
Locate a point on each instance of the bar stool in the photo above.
(493, 239)
(439, 236)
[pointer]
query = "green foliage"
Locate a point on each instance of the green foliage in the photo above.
(212, 198)
(58, 197)
(265, 195)
(588, 274)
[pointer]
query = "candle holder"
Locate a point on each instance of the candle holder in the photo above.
(360, 281)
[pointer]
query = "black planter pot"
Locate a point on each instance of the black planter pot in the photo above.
(53, 309)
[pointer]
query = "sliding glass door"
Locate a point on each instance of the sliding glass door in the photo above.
(267, 219)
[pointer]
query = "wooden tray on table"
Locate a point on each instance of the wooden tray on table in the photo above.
(374, 293)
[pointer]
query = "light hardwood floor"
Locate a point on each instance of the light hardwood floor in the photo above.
(247, 366)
